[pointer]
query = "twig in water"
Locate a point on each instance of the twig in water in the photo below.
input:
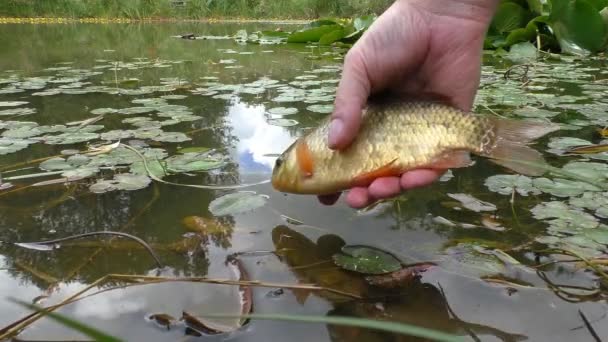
(589, 326)
(22, 323)
(447, 305)
(105, 232)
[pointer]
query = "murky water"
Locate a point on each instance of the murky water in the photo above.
(229, 90)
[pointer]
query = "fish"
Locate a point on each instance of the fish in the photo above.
(398, 135)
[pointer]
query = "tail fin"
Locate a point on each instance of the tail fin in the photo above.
(511, 150)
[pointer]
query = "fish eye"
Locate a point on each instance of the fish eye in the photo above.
(278, 162)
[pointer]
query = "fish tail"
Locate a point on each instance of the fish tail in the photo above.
(510, 148)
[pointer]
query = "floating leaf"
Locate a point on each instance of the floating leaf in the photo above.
(190, 162)
(366, 260)
(12, 103)
(10, 145)
(282, 122)
(563, 187)
(282, 111)
(597, 201)
(236, 203)
(317, 108)
(128, 182)
(506, 184)
(69, 138)
(17, 111)
(172, 137)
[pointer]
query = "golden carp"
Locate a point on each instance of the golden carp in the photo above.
(397, 136)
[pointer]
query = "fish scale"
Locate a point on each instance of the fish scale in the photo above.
(397, 136)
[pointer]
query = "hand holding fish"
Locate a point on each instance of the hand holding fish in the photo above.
(386, 134)
(415, 47)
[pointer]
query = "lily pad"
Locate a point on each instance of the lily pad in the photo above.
(192, 162)
(563, 187)
(236, 203)
(366, 260)
(17, 111)
(506, 184)
(171, 137)
(282, 122)
(318, 108)
(12, 103)
(69, 138)
(127, 182)
(11, 145)
(282, 111)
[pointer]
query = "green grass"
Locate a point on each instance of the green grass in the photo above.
(192, 9)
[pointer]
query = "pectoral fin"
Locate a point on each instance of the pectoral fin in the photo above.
(388, 170)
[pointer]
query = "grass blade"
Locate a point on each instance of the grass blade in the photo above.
(68, 322)
(399, 328)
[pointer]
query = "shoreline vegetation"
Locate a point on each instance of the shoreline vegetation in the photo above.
(191, 10)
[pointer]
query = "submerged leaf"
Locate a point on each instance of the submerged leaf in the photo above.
(473, 203)
(366, 260)
(236, 203)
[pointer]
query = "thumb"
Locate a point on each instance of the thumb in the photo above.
(351, 96)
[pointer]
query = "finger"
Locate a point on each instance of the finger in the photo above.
(329, 199)
(385, 187)
(351, 96)
(421, 177)
(358, 197)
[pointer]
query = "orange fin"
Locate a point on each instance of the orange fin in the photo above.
(451, 160)
(388, 170)
(304, 158)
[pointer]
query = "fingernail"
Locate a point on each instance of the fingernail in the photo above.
(335, 131)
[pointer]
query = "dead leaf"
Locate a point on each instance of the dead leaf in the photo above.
(400, 278)
(162, 319)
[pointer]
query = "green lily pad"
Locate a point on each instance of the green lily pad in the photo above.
(193, 162)
(564, 218)
(17, 111)
(12, 103)
(366, 260)
(560, 144)
(129, 182)
(155, 167)
(318, 108)
(282, 111)
(117, 134)
(506, 184)
(11, 145)
(69, 138)
(236, 203)
(22, 132)
(563, 187)
(597, 201)
(171, 137)
(591, 170)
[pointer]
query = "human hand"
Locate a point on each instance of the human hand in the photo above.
(416, 47)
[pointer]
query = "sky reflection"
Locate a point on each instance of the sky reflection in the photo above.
(256, 138)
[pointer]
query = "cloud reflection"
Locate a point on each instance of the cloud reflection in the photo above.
(256, 137)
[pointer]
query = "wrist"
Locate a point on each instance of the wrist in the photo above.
(481, 11)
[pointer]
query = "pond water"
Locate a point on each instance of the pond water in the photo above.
(246, 103)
